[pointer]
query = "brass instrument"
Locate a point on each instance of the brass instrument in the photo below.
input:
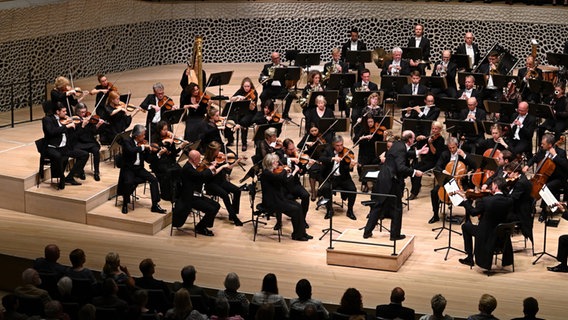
(379, 56)
(263, 78)
(348, 98)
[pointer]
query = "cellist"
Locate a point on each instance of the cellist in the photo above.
(445, 164)
(557, 180)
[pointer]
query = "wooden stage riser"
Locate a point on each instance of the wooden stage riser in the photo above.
(12, 193)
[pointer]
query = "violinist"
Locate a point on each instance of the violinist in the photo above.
(522, 130)
(428, 111)
(212, 126)
(65, 94)
(445, 164)
(186, 79)
(267, 115)
(196, 104)
(101, 90)
(86, 138)
(557, 180)
(365, 139)
(473, 114)
(156, 103)
(244, 119)
(391, 181)
(135, 151)
(559, 122)
(372, 109)
(316, 114)
(309, 143)
(337, 164)
(115, 113)
(520, 191)
(436, 145)
(293, 186)
(270, 144)
(272, 180)
(57, 147)
(192, 195)
(273, 89)
(313, 86)
(219, 184)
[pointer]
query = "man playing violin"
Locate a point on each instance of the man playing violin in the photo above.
(337, 164)
(86, 140)
(156, 103)
(436, 146)
(135, 151)
(520, 191)
(57, 132)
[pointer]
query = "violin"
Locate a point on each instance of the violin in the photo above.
(202, 166)
(77, 90)
(204, 97)
(68, 120)
(95, 118)
(252, 97)
(279, 169)
(276, 117)
(304, 158)
(166, 103)
(379, 129)
(347, 155)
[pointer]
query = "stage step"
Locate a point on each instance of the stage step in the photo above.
(20, 163)
(365, 255)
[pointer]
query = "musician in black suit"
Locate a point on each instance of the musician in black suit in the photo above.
(336, 174)
(529, 71)
(274, 197)
(353, 44)
(396, 66)
(294, 188)
(391, 181)
(470, 49)
(469, 90)
(522, 130)
(420, 41)
(559, 104)
(135, 151)
(274, 89)
(364, 85)
(473, 113)
(557, 180)
(520, 191)
(194, 175)
(447, 69)
(395, 310)
(336, 65)
(155, 103)
(562, 255)
(492, 210)
(428, 111)
(436, 146)
(58, 149)
(86, 138)
(490, 67)
(414, 87)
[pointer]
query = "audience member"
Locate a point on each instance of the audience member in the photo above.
(269, 294)
(487, 304)
(64, 289)
(112, 269)
(109, 298)
(530, 309)
(438, 304)
(48, 263)
(54, 311)
(11, 304)
(183, 309)
(222, 310)
(395, 308)
(232, 285)
(139, 309)
(265, 312)
(304, 292)
(188, 275)
(352, 303)
(31, 281)
(88, 312)
(77, 271)
(147, 281)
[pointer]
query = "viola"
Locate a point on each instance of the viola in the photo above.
(204, 97)
(68, 120)
(166, 103)
(347, 155)
(279, 169)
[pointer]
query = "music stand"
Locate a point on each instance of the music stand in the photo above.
(173, 116)
(360, 99)
(505, 127)
(330, 97)
(418, 126)
(380, 147)
(462, 127)
(543, 87)
(414, 53)
(501, 81)
(366, 168)
(332, 124)
(549, 222)
(393, 83)
(451, 105)
(116, 145)
(408, 100)
(307, 60)
(557, 59)
(220, 79)
(461, 60)
(480, 79)
(125, 97)
(290, 55)
(442, 179)
(498, 107)
(338, 81)
(358, 57)
(259, 134)
(543, 111)
(434, 82)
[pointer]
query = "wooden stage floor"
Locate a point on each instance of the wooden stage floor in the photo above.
(424, 274)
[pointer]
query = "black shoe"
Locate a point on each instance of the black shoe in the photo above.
(350, 215)
(237, 221)
(125, 208)
(205, 232)
(308, 236)
(158, 209)
(61, 184)
(412, 197)
(328, 215)
(277, 226)
(468, 261)
(434, 219)
(367, 235)
(558, 268)
(72, 182)
(287, 118)
(400, 237)
(244, 147)
(302, 238)
(97, 177)
(307, 226)
(82, 176)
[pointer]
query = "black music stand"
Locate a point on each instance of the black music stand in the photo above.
(501, 81)
(332, 124)
(173, 116)
(462, 127)
(434, 82)
(461, 60)
(290, 55)
(549, 222)
(499, 107)
(259, 134)
(418, 126)
(451, 105)
(543, 87)
(480, 79)
(338, 81)
(380, 147)
(442, 179)
(358, 57)
(307, 60)
(220, 79)
(542, 111)
(367, 168)
(408, 100)
(557, 59)
(393, 83)
(125, 97)
(505, 127)
(329, 95)
(360, 99)
(414, 53)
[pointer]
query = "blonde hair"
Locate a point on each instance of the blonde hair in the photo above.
(61, 82)
(268, 159)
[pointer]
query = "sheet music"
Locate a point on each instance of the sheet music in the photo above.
(452, 187)
(548, 198)
(372, 174)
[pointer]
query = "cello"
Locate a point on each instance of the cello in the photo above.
(481, 175)
(456, 168)
(543, 171)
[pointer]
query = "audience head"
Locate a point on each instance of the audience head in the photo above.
(265, 312)
(77, 258)
(10, 302)
(352, 301)
(87, 312)
(182, 301)
(65, 286)
(51, 252)
(109, 287)
(147, 267)
(304, 290)
(140, 298)
(310, 312)
(31, 276)
(112, 262)
(221, 307)
(188, 275)
(487, 303)
(53, 310)
(530, 307)
(438, 304)
(397, 295)
(232, 282)
(269, 283)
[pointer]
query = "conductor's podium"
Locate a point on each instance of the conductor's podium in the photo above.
(351, 250)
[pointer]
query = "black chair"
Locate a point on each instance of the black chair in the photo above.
(278, 312)
(83, 290)
(30, 305)
(41, 146)
(158, 301)
(49, 283)
(503, 245)
(107, 314)
(124, 293)
(72, 309)
(236, 308)
(200, 304)
(259, 212)
(296, 314)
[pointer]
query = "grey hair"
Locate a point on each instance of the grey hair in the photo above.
(158, 85)
(268, 159)
(270, 132)
(138, 129)
(397, 49)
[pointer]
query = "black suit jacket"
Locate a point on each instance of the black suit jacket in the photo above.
(347, 47)
(432, 115)
(480, 116)
(192, 181)
(527, 131)
(477, 54)
(561, 170)
(273, 190)
(327, 165)
(407, 89)
(404, 65)
(445, 158)
(424, 45)
(129, 152)
(474, 94)
(523, 72)
(265, 71)
(523, 205)
(451, 72)
(53, 132)
(394, 310)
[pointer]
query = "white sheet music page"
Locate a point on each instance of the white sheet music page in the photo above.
(452, 188)
(548, 198)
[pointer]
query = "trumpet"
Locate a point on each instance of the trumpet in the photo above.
(348, 98)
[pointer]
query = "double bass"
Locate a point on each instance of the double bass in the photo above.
(457, 169)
